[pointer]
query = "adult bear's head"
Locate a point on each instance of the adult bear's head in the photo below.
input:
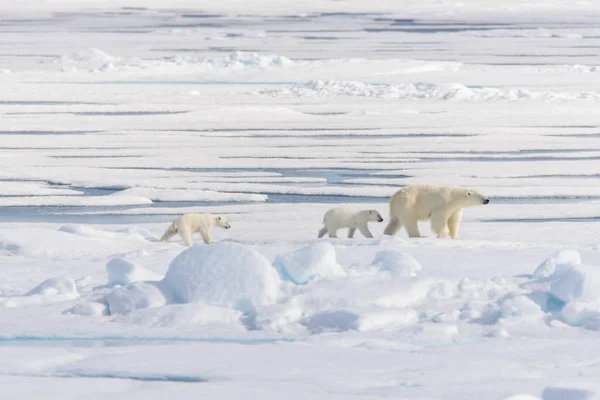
(475, 198)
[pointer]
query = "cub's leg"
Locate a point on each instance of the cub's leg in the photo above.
(351, 232)
(365, 231)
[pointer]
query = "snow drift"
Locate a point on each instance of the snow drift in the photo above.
(223, 274)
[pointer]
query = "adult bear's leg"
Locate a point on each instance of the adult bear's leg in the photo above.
(392, 227)
(454, 223)
(438, 224)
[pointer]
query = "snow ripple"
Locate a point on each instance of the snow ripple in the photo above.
(420, 91)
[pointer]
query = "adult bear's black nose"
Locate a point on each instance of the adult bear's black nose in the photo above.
(486, 201)
(380, 219)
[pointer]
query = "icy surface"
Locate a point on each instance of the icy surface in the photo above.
(118, 117)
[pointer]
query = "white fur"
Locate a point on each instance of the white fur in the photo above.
(443, 205)
(341, 217)
(188, 224)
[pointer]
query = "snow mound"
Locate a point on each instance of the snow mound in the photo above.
(53, 290)
(55, 286)
(122, 272)
(243, 60)
(420, 91)
(522, 308)
(223, 274)
(316, 261)
(87, 59)
(397, 263)
(88, 55)
(567, 257)
(134, 296)
(89, 309)
(560, 393)
(581, 314)
(579, 282)
(9, 248)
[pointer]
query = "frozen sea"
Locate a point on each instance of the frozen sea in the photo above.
(118, 116)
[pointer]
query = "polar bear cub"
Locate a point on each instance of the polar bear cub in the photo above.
(188, 224)
(443, 205)
(341, 217)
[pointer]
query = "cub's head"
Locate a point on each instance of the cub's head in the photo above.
(222, 222)
(475, 198)
(374, 216)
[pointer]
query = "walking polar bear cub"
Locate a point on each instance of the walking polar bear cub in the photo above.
(188, 224)
(443, 205)
(341, 217)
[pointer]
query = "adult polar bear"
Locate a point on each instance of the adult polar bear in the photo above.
(443, 205)
(188, 224)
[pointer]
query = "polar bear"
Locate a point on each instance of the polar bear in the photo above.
(443, 205)
(188, 224)
(341, 217)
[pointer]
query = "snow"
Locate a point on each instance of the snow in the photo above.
(314, 262)
(134, 296)
(579, 282)
(397, 263)
(224, 274)
(118, 117)
(422, 90)
(54, 286)
(122, 272)
(521, 307)
(89, 309)
(577, 313)
(562, 259)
